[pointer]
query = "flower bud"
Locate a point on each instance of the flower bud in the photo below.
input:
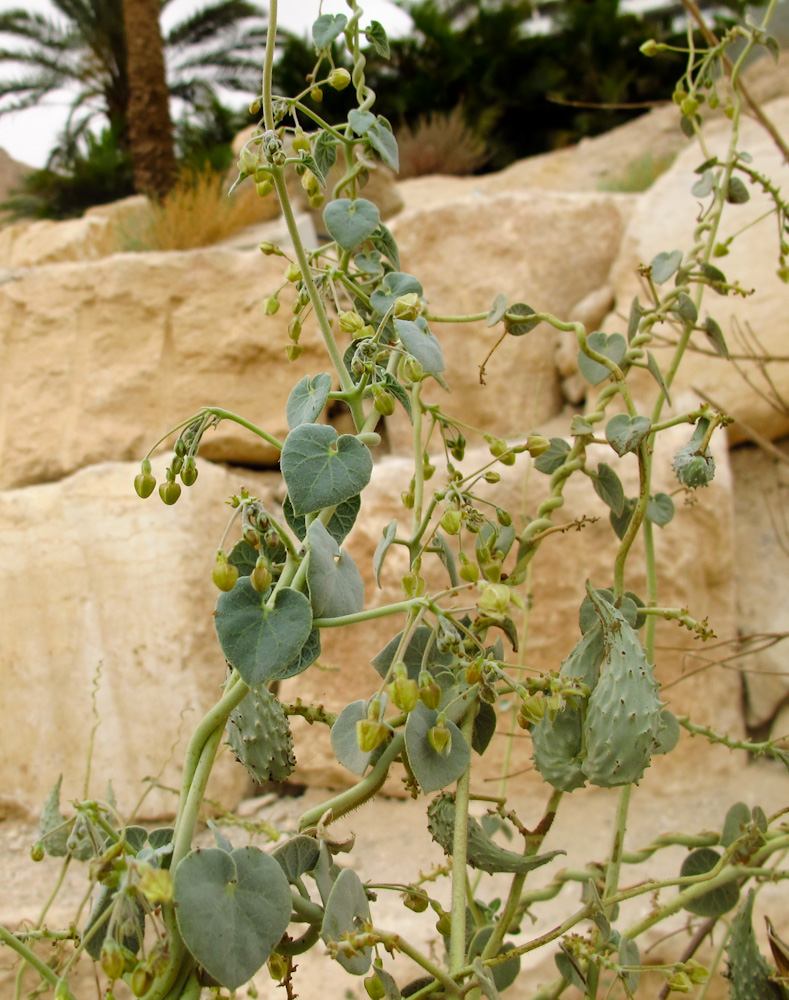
(141, 980)
(316, 94)
(429, 691)
(269, 249)
(224, 574)
(260, 577)
(264, 188)
(339, 78)
(407, 307)
(316, 200)
(649, 48)
(278, 966)
(293, 273)
(451, 521)
(474, 671)
(503, 517)
(415, 900)
(156, 885)
(533, 708)
(375, 988)
(494, 599)
(492, 477)
(536, 444)
(413, 369)
(169, 492)
(689, 106)
(248, 161)
(440, 738)
(111, 959)
(444, 924)
(144, 483)
(270, 305)
(413, 585)
(351, 322)
(407, 496)
(404, 692)
(300, 141)
(37, 851)
(384, 402)
(370, 734)
(310, 184)
(696, 971)
(176, 465)
(189, 472)
(680, 982)
(497, 446)
(293, 351)
(469, 572)
(254, 108)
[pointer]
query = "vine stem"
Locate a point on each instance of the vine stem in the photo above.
(32, 959)
(457, 941)
(617, 847)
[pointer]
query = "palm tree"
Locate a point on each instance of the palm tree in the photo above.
(150, 127)
(84, 50)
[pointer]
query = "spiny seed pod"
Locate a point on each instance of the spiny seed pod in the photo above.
(557, 742)
(260, 737)
(189, 472)
(623, 714)
(694, 468)
(169, 492)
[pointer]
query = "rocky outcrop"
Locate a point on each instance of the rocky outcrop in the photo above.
(108, 620)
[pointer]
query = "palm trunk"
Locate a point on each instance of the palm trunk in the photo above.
(148, 113)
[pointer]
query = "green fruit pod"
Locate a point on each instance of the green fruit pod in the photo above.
(259, 735)
(623, 717)
(558, 742)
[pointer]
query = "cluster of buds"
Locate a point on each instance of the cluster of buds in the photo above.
(183, 463)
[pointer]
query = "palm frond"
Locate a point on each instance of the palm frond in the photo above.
(206, 23)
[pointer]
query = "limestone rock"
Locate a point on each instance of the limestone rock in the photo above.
(664, 220)
(100, 359)
(548, 250)
(694, 566)
(104, 588)
(761, 555)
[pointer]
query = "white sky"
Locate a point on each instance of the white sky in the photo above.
(30, 135)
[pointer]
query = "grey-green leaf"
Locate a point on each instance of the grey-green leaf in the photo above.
(737, 821)
(716, 902)
(498, 309)
(737, 193)
(714, 335)
(258, 642)
(414, 653)
(327, 28)
(636, 312)
(297, 856)
(351, 222)
(360, 121)
(340, 523)
(336, 586)
(347, 909)
(431, 769)
(664, 265)
(382, 140)
(232, 910)
(321, 469)
(625, 433)
(608, 486)
(395, 284)
(420, 342)
(554, 457)
(52, 829)
(376, 36)
(343, 738)
(660, 509)
(386, 243)
(516, 329)
(307, 399)
(613, 347)
(657, 375)
(325, 151)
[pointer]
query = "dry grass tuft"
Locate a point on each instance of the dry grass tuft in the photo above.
(440, 143)
(196, 213)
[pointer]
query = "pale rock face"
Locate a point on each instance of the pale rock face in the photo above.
(664, 220)
(694, 555)
(114, 591)
(547, 250)
(100, 359)
(761, 562)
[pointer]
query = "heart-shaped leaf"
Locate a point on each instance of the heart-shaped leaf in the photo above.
(325, 152)
(336, 586)
(307, 655)
(347, 910)
(360, 121)
(340, 523)
(232, 910)
(413, 654)
(516, 329)
(350, 222)
(386, 243)
(257, 641)
(395, 284)
(716, 902)
(376, 36)
(664, 265)
(553, 458)
(660, 509)
(431, 769)
(307, 399)
(625, 433)
(382, 140)
(327, 28)
(321, 469)
(498, 309)
(608, 486)
(420, 342)
(297, 856)
(343, 738)
(612, 346)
